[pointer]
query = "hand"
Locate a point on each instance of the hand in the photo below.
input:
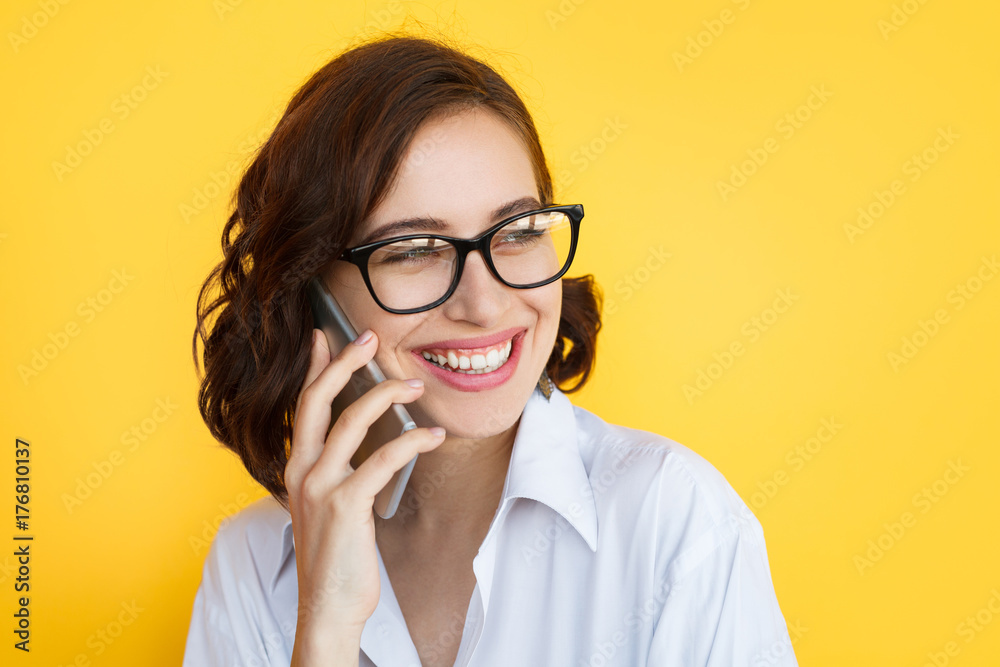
(331, 503)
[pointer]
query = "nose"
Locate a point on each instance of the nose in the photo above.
(479, 297)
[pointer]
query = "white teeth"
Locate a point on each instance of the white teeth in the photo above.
(475, 365)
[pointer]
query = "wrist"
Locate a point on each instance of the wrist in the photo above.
(328, 646)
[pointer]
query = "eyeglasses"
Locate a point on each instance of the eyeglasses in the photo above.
(417, 272)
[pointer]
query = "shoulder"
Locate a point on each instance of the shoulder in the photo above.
(681, 474)
(239, 616)
(667, 484)
(254, 540)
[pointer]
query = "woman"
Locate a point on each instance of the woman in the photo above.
(531, 532)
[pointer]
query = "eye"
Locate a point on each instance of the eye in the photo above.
(412, 252)
(520, 236)
(528, 231)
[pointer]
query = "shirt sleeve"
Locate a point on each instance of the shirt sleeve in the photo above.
(721, 608)
(231, 623)
(210, 636)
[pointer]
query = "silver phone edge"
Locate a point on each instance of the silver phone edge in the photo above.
(397, 492)
(376, 373)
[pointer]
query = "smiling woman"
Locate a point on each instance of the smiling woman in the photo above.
(410, 179)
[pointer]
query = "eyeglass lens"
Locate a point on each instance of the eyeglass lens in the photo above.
(416, 272)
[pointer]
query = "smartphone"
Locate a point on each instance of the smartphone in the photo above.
(328, 316)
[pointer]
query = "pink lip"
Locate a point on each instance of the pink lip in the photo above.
(470, 343)
(481, 381)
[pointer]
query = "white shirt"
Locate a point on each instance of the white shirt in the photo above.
(610, 546)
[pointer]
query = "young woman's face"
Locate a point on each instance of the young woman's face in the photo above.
(460, 169)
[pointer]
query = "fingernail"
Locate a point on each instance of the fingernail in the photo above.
(413, 382)
(437, 431)
(363, 338)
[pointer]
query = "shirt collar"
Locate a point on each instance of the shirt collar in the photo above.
(545, 466)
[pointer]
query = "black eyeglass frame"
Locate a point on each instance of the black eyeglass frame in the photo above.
(359, 255)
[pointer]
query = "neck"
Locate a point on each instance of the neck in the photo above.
(454, 488)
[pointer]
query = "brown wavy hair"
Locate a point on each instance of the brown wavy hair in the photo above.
(329, 161)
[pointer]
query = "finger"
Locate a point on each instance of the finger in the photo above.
(304, 452)
(318, 397)
(319, 357)
(378, 469)
(353, 423)
(313, 417)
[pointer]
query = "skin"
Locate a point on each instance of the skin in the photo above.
(475, 165)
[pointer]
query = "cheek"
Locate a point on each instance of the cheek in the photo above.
(344, 277)
(352, 297)
(389, 365)
(394, 355)
(546, 302)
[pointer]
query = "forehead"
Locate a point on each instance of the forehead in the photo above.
(458, 169)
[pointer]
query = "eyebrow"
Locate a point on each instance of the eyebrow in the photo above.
(428, 223)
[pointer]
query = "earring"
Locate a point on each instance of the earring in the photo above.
(545, 385)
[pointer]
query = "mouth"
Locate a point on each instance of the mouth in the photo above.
(474, 368)
(476, 361)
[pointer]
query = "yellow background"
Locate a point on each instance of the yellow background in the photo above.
(642, 139)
